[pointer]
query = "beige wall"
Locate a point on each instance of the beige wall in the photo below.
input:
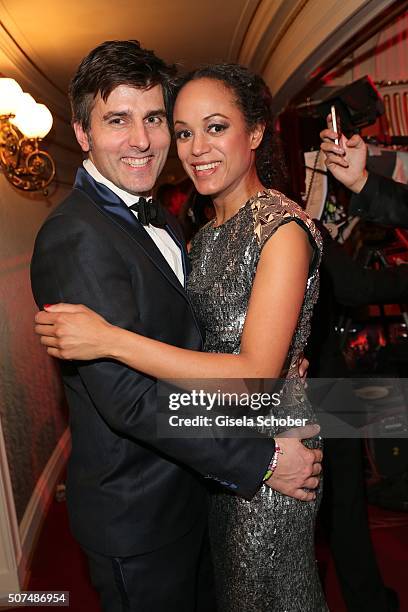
(32, 411)
(288, 40)
(34, 442)
(31, 399)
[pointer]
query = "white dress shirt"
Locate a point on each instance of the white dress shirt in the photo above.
(164, 242)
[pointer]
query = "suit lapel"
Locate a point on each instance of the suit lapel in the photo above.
(173, 229)
(116, 210)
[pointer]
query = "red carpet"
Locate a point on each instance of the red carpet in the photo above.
(58, 563)
(390, 538)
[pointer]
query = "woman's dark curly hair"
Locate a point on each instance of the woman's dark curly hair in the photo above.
(254, 99)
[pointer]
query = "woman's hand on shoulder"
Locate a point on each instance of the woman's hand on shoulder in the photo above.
(73, 331)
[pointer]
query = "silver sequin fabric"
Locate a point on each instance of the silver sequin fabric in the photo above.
(263, 549)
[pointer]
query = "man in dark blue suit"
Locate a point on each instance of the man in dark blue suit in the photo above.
(137, 502)
(381, 200)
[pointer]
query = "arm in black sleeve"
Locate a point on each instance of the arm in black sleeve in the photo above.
(382, 200)
(72, 263)
(355, 285)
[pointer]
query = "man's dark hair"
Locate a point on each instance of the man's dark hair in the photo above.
(113, 63)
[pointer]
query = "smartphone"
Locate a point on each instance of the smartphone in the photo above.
(336, 123)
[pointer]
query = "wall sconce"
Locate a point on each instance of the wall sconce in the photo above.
(23, 123)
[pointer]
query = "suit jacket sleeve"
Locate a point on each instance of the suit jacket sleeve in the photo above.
(355, 285)
(72, 263)
(382, 200)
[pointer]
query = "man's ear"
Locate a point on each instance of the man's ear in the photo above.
(257, 135)
(82, 137)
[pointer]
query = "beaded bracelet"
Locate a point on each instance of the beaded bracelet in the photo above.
(273, 463)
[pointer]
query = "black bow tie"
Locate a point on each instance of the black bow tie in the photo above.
(149, 212)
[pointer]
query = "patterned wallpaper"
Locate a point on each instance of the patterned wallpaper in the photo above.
(32, 405)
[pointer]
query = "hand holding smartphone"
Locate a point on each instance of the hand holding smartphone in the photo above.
(344, 157)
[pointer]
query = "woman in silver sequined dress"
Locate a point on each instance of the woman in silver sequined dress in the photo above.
(253, 286)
